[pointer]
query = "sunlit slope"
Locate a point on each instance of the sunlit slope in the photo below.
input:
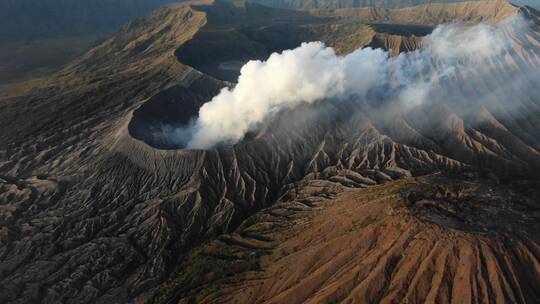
(430, 240)
(314, 4)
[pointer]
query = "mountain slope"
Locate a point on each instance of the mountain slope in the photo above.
(334, 4)
(466, 12)
(38, 38)
(414, 240)
(92, 213)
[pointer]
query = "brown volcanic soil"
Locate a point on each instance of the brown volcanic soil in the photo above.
(433, 239)
(88, 213)
(429, 14)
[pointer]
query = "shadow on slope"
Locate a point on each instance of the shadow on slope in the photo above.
(159, 120)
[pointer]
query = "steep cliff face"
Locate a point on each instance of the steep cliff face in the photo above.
(89, 212)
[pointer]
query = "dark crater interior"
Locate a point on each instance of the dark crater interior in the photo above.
(218, 53)
(473, 204)
(221, 53)
(159, 122)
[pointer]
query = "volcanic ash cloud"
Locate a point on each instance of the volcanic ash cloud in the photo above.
(306, 74)
(313, 72)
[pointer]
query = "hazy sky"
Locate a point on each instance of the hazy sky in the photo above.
(535, 3)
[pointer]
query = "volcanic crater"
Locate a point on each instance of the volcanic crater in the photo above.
(97, 208)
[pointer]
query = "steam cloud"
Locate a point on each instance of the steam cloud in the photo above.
(313, 72)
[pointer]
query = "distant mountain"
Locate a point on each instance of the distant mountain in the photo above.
(23, 20)
(31, 19)
(334, 4)
(331, 4)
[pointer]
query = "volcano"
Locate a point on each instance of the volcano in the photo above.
(328, 202)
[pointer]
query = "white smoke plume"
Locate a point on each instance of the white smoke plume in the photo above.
(306, 74)
(313, 72)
